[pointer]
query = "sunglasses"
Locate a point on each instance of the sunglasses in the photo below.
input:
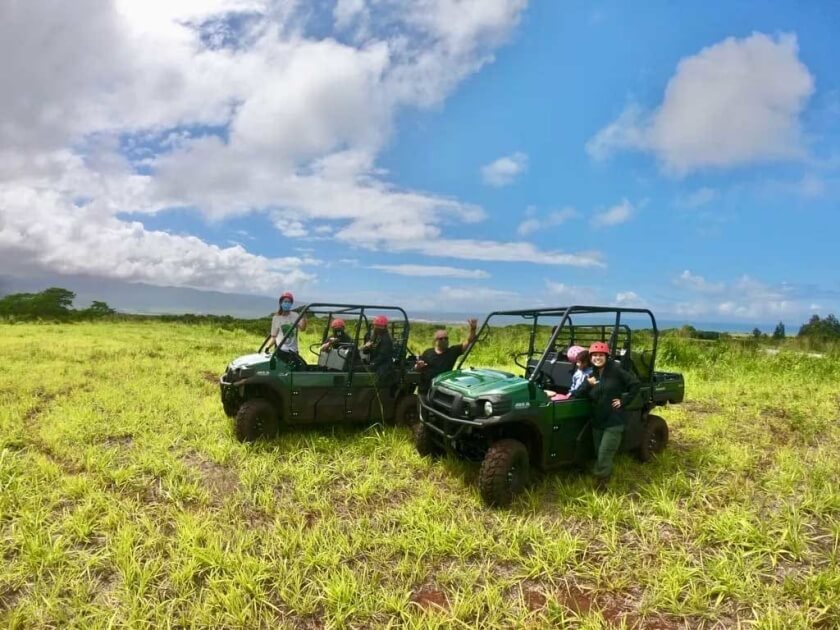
(441, 338)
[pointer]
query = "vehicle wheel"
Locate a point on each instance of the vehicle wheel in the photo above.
(231, 407)
(424, 442)
(406, 411)
(504, 472)
(255, 418)
(654, 438)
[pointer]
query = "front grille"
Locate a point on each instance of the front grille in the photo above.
(444, 401)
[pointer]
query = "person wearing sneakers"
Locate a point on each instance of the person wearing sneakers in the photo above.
(338, 335)
(610, 388)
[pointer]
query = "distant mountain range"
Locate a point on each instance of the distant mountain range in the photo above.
(129, 297)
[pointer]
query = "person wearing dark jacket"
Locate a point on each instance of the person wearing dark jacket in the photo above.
(338, 336)
(381, 349)
(610, 388)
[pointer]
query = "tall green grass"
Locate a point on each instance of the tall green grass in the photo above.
(125, 501)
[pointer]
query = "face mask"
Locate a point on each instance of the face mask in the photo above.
(285, 306)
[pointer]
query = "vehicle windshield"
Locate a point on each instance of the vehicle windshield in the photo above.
(516, 341)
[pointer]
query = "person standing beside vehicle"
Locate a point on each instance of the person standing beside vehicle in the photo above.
(283, 322)
(441, 357)
(610, 388)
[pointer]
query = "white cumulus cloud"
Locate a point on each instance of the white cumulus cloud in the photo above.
(432, 271)
(615, 215)
(505, 170)
(736, 102)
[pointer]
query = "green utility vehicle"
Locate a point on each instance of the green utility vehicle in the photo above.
(270, 389)
(508, 422)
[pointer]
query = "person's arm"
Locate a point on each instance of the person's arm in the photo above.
(631, 386)
(302, 324)
(473, 323)
(275, 328)
(583, 390)
(421, 363)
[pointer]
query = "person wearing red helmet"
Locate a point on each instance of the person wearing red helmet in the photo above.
(381, 350)
(610, 388)
(283, 322)
(441, 358)
(339, 335)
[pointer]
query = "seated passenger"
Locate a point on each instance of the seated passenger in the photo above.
(580, 357)
(338, 336)
(283, 326)
(381, 351)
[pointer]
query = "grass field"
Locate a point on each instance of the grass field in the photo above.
(125, 501)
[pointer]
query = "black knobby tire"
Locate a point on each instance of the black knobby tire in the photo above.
(424, 441)
(654, 438)
(230, 402)
(407, 410)
(254, 419)
(504, 472)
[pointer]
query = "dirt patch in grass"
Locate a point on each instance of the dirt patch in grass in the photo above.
(429, 597)
(616, 608)
(9, 598)
(701, 406)
(219, 480)
(119, 441)
(210, 377)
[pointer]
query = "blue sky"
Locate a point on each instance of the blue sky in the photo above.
(446, 155)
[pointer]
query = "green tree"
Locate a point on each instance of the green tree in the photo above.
(99, 309)
(55, 302)
(756, 333)
(779, 332)
(828, 328)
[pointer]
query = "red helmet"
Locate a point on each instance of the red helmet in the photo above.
(337, 323)
(287, 296)
(380, 321)
(599, 347)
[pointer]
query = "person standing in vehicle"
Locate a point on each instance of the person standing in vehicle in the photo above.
(283, 322)
(441, 358)
(610, 388)
(381, 351)
(338, 336)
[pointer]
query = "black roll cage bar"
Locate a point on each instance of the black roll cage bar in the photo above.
(565, 312)
(326, 308)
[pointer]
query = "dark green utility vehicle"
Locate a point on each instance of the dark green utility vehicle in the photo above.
(508, 422)
(270, 389)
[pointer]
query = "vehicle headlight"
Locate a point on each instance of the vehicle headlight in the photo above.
(488, 408)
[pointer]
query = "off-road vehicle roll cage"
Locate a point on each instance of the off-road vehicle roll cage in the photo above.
(617, 335)
(337, 358)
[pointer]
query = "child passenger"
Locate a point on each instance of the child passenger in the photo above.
(580, 357)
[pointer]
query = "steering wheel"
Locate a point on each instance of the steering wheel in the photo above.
(315, 348)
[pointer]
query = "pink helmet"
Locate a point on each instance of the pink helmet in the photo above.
(573, 352)
(337, 323)
(380, 321)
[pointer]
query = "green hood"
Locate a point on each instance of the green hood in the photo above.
(252, 361)
(473, 383)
